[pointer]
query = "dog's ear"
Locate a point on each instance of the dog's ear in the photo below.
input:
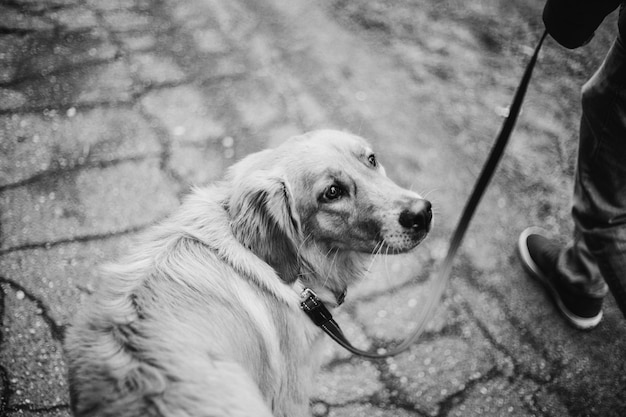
(264, 219)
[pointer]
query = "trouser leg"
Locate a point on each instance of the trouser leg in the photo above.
(598, 252)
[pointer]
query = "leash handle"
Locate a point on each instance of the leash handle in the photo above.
(320, 314)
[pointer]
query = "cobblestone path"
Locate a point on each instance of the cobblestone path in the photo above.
(110, 111)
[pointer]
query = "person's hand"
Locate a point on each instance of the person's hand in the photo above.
(572, 23)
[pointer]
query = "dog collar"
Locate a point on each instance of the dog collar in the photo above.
(314, 308)
(340, 295)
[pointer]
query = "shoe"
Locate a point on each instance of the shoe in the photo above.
(539, 256)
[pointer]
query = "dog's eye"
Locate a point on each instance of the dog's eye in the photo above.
(333, 192)
(372, 160)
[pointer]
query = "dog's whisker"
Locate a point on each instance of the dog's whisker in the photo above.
(360, 127)
(301, 246)
(376, 249)
(387, 273)
(329, 272)
(375, 253)
(428, 193)
(303, 242)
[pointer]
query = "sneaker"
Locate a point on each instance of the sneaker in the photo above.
(539, 256)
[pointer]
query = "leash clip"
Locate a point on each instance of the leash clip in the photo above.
(314, 307)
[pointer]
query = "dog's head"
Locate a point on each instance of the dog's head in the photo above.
(317, 199)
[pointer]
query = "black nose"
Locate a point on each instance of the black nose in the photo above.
(418, 216)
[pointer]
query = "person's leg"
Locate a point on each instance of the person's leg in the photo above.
(575, 275)
(599, 209)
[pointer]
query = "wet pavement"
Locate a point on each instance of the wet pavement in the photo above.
(111, 110)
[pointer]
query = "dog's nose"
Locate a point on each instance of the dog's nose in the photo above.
(418, 216)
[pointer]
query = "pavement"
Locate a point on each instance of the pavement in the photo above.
(111, 110)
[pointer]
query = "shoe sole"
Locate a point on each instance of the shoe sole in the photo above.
(582, 323)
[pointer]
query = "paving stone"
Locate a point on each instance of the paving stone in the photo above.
(587, 388)
(235, 20)
(275, 135)
(127, 20)
(31, 144)
(54, 412)
(12, 99)
(213, 58)
(198, 166)
(499, 397)
(185, 13)
(62, 276)
(111, 82)
(210, 41)
(152, 68)
(90, 201)
(185, 114)
(15, 20)
(272, 88)
(220, 69)
(258, 103)
(75, 18)
(305, 107)
(549, 403)
(336, 385)
(12, 47)
(139, 42)
(40, 54)
(393, 316)
(29, 353)
(42, 6)
(250, 105)
(111, 4)
(360, 410)
(433, 370)
(319, 409)
(495, 319)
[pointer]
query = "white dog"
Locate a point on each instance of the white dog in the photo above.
(204, 319)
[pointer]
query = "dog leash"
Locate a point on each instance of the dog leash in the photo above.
(319, 314)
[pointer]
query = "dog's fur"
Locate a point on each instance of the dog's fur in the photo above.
(203, 318)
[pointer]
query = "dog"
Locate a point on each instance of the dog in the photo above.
(203, 316)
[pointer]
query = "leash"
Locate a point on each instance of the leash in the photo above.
(319, 314)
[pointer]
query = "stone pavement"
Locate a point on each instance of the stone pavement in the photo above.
(110, 111)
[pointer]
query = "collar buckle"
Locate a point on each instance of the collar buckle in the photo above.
(314, 307)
